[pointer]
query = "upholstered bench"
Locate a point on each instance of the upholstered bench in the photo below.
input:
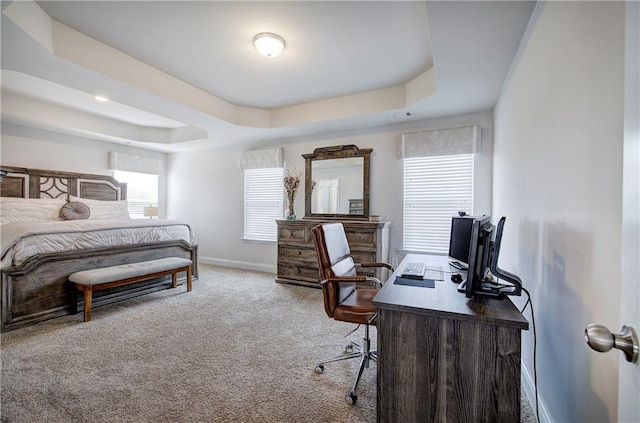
(88, 281)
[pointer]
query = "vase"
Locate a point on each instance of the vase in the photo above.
(290, 214)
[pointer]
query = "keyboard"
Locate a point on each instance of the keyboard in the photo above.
(413, 270)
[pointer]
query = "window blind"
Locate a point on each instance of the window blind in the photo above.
(435, 189)
(263, 202)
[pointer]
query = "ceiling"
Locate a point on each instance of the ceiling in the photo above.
(184, 75)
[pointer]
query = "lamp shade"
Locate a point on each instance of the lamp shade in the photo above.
(151, 211)
(268, 44)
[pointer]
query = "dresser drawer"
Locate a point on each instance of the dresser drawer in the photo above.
(363, 256)
(362, 238)
(293, 253)
(294, 271)
(296, 235)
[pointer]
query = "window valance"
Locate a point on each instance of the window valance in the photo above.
(133, 163)
(261, 159)
(441, 142)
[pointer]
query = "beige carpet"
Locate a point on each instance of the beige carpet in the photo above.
(239, 348)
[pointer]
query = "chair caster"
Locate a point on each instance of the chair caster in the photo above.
(319, 369)
(348, 349)
(351, 398)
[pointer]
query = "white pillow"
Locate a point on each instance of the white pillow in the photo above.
(105, 209)
(13, 209)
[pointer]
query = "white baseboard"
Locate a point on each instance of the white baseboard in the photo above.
(530, 391)
(267, 268)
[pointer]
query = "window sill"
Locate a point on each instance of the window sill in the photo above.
(258, 241)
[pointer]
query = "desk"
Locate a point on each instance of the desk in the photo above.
(444, 357)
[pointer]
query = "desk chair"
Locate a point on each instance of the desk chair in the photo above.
(342, 301)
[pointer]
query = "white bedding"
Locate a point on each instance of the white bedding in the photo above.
(21, 240)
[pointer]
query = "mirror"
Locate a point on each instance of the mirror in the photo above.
(337, 182)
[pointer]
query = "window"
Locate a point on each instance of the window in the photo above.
(435, 189)
(142, 191)
(263, 202)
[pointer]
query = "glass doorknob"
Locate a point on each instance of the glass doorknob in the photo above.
(600, 339)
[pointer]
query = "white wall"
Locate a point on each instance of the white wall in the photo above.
(557, 178)
(206, 188)
(28, 147)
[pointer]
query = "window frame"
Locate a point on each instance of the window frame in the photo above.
(273, 179)
(438, 229)
(135, 208)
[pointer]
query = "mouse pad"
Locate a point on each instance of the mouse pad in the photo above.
(425, 283)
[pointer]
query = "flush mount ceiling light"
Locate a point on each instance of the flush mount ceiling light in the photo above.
(268, 44)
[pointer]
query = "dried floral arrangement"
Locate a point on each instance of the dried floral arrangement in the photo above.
(291, 185)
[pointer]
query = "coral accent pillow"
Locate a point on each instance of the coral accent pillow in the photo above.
(75, 210)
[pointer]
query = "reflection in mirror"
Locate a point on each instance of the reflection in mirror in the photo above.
(337, 182)
(339, 187)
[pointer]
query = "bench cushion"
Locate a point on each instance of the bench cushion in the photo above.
(125, 271)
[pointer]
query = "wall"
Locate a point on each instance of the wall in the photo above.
(557, 178)
(29, 147)
(206, 188)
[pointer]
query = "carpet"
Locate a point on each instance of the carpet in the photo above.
(238, 348)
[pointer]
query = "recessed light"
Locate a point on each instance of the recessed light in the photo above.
(101, 98)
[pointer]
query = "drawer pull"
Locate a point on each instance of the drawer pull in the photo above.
(299, 252)
(359, 237)
(292, 233)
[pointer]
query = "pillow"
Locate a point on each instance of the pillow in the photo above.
(75, 210)
(14, 209)
(104, 209)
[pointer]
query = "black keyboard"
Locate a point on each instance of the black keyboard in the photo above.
(413, 270)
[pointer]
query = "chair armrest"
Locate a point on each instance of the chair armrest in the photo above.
(374, 264)
(344, 279)
(375, 281)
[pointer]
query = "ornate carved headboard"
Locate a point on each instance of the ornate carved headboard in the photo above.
(39, 183)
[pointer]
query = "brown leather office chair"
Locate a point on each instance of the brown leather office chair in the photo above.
(342, 301)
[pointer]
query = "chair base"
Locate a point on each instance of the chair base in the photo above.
(365, 355)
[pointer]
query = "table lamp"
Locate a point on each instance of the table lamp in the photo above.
(150, 212)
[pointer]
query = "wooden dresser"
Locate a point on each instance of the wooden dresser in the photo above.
(297, 263)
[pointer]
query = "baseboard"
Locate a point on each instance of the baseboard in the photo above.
(238, 264)
(530, 392)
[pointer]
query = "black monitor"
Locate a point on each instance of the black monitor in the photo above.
(460, 240)
(515, 287)
(483, 262)
(479, 253)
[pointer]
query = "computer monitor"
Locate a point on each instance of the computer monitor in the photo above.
(479, 253)
(460, 240)
(514, 280)
(484, 252)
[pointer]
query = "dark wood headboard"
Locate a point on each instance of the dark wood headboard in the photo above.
(39, 183)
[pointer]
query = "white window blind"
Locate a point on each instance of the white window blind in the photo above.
(263, 202)
(435, 189)
(142, 191)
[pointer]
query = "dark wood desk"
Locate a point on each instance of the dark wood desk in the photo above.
(444, 357)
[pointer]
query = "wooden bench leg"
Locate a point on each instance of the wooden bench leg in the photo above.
(174, 279)
(88, 298)
(189, 282)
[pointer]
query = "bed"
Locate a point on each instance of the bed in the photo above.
(42, 245)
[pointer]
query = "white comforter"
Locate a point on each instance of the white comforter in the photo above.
(21, 240)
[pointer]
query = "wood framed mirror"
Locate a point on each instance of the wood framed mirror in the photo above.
(337, 182)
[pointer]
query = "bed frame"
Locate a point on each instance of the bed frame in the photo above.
(38, 289)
